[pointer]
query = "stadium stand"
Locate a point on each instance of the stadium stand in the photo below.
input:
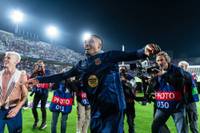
(55, 57)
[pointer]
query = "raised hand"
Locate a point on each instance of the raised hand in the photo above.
(33, 81)
(152, 49)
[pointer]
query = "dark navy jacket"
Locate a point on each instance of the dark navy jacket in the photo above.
(170, 89)
(191, 92)
(129, 90)
(100, 79)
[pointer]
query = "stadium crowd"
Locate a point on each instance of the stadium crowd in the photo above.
(37, 49)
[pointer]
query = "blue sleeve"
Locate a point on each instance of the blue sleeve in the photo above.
(58, 77)
(118, 56)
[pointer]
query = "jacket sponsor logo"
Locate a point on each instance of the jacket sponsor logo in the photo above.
(93, 81)
(62, 101)
(97, 61)
(168, 96)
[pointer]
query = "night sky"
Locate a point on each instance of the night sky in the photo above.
(174, 25)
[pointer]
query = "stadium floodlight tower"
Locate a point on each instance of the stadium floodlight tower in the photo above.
(17, 17)
(52, 32)
(86, 36)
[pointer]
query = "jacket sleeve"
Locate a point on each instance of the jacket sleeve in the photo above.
(118, 56)
(179, 82)
(176, 78)
(153, 85)
(58, 77)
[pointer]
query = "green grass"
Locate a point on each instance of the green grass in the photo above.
(143, 120)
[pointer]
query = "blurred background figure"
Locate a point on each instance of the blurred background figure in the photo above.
(129, 93)
(61, 103)
(191, 96)
(83, 111)
(40, 92)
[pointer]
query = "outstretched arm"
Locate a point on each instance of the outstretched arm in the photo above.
(54, 78)
(148, 50)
